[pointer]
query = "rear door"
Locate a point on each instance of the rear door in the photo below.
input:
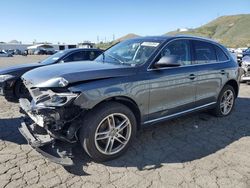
(208, 59)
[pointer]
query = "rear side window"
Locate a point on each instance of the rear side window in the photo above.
(221, 56)
(204, 53)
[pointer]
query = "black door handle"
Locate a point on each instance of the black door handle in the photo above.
(192, 76)
(223, 72)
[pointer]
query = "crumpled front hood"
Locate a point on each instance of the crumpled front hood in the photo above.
(50, 76)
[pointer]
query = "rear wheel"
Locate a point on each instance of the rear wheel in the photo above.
(225, 101)
(108, 131)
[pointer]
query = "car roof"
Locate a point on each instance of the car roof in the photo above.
(82, 49)
(168, 37)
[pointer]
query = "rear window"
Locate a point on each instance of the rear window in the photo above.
(221, 56)
(204, 53)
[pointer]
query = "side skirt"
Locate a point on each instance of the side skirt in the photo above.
(172, 116)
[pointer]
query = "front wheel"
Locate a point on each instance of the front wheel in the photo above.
(108, 131)
(21, 91)
(225, 102)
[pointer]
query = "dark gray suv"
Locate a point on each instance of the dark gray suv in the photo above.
(135, 83)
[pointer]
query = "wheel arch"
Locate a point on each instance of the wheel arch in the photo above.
(235, 86)
(130, 103)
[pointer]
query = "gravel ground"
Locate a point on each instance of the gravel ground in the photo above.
(198, 150)
(18, 59)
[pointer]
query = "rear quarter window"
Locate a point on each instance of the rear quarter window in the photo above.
(221, 56)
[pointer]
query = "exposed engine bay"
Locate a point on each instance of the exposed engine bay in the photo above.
(51, 118)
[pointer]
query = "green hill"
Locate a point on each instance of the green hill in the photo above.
(232, 31)
(128, 36)
(106, 45)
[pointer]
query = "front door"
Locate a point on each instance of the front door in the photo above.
(172, 89)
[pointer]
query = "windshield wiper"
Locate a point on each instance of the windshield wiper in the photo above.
(115, 58)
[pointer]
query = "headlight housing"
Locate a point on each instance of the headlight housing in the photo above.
(52, 99)
(5, 77)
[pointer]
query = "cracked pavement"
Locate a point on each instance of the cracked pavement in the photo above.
(197, 150)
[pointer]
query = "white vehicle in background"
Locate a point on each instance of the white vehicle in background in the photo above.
(5, 54)
(239, 54)
(246, 67)
(232, 50)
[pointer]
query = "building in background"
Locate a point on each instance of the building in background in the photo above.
(86, 45)
(37, 46)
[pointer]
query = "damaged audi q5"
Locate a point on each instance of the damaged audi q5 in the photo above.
(137, 82)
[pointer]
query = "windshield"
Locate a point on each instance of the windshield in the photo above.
(53, 58)
(131, 52)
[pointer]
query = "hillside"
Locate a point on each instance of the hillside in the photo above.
(232, 31)
(106, 45)
(128, 36)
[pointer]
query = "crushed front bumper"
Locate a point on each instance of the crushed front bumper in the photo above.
(51, 131)
(55, 150)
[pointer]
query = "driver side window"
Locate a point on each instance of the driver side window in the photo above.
(77, 56)
(180, 50)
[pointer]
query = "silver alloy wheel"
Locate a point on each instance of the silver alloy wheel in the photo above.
(227, 101)
(113, 133)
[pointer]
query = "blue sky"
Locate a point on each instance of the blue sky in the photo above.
(73, 21)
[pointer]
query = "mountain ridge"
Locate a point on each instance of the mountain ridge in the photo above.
(232, 30)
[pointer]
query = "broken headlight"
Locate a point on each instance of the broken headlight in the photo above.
(55, 99)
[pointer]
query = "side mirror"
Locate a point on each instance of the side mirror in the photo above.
(167, 61)
(62, 61)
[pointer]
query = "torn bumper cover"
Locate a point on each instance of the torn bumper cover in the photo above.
(47, 130)
(57, 152)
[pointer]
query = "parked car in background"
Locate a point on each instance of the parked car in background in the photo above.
(232, 50)
(246, 52)
(11, 51)
(11, 85)
(239, 54)
(5, 54)
(44, 52)
(135, 83)
(40, 52)
(246, 67)
(18, 52)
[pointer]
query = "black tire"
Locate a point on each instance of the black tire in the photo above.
(20, 90)
(217, 111)
(91, 123)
